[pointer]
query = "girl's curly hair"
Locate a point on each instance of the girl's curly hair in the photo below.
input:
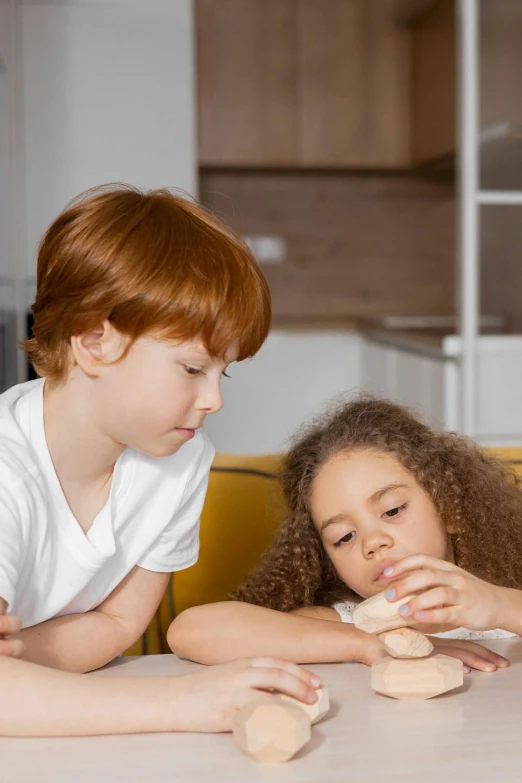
(476, 496)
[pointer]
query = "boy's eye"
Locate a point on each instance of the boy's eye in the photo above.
(225, 374)
(193, 370)
(393, 512)
(345, 539)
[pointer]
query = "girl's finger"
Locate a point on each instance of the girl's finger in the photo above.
(431, 599)
(418, 581)
(480, 650)
(414, 562)
(308, 677)
(468, 658)
(445, 615)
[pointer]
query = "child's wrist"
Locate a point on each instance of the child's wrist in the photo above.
(509, 609)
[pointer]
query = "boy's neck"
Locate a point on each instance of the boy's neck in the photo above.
(82, 455)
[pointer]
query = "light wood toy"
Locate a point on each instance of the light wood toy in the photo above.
(411, 671)
(406, 643)
(274, 728)
(315, 712)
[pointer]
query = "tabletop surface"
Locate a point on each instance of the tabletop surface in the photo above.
(473, 734)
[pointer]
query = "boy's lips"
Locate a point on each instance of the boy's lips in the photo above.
(187, 433)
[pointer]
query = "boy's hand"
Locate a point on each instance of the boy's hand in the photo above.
(207, 700)
(445, 594)
(9, 647)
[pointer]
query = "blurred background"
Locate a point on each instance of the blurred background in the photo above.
(331, 135)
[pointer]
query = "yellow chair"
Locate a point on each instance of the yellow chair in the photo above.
(243, 508)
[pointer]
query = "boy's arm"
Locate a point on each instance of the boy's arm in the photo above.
(83, 642)
(223, 631)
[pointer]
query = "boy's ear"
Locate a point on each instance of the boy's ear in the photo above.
(97, 348)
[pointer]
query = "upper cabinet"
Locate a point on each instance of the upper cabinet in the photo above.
(325, 83)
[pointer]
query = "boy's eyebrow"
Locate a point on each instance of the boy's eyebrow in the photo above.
(373, 499)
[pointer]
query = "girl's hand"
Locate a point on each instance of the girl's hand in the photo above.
(472, 654)
(445, 594)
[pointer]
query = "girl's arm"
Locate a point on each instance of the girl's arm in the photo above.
(222, 631)
(218, 632)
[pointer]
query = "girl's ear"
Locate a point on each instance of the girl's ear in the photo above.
(95, 349)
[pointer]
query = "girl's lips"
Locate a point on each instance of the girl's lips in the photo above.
(379, 571)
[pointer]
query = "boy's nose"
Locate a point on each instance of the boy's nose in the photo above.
(211, 401)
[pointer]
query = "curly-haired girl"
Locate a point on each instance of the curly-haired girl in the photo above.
(378, 501)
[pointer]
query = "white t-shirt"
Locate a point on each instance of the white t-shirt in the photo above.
(345, 611)
(48, 565)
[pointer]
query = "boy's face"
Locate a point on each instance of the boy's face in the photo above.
(370, 512)
(159, 394)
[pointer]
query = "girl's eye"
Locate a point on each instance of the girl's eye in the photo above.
(345, 539)
(393, 512)
(225, 375)
(193, 370)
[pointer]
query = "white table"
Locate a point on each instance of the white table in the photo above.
(474, 734)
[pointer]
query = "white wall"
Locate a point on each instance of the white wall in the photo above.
(293, 377)
(109, 96)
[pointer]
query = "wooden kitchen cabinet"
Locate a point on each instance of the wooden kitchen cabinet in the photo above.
(247, 82)
(319, 83)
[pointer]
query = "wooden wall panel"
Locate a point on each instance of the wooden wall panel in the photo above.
(358, 245)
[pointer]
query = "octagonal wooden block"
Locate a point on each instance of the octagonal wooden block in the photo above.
(376, 614)
(269, 729)
(315, 712)
(417, 678)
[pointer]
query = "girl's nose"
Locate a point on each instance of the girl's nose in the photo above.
(376, 541)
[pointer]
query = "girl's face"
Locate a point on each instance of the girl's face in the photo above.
(369, 512)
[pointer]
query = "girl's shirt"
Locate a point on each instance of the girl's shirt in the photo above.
(48, 565)
(345, 611)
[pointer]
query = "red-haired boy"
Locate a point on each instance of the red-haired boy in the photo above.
(143, 300)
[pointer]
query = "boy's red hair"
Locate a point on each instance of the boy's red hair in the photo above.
(150, 263)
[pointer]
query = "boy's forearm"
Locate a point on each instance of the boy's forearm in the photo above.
(223, 631)
(42, 702)
(76, 642)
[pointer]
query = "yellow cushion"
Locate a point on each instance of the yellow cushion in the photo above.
(243, 508)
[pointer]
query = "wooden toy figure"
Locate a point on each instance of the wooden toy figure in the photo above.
(410, 671)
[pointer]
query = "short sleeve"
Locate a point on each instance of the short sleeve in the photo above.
(178, 545)
(11, 547)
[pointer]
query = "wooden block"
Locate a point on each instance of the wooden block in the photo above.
(315, 712)
(376, 614)
(419, 678)
(406, 643)
(269, 729)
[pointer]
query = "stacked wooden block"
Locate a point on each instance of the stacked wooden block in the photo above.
(410, 671)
